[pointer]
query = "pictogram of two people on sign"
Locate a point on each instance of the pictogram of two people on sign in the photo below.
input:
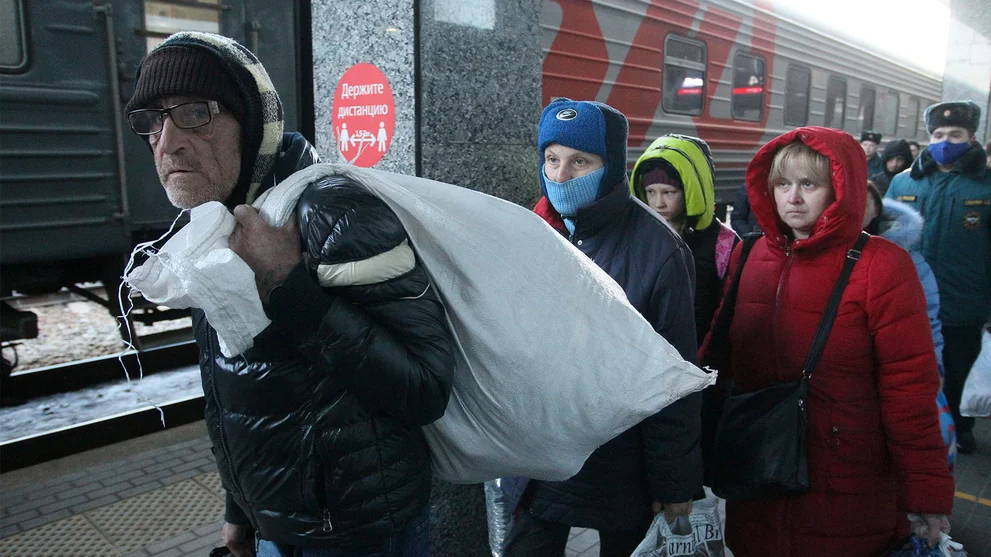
(356, 138)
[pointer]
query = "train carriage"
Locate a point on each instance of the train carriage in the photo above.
(733, 73)
(78, 190)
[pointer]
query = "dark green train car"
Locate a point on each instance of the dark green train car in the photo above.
(77, 189)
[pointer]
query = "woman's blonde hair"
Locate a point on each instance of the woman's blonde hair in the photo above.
(798, 160)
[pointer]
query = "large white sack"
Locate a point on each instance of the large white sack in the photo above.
(976, 399)
(553, 361)
(196, 268)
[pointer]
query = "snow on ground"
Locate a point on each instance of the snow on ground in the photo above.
(48, 413)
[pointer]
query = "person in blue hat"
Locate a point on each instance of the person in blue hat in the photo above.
(950, 185)
(657, 464)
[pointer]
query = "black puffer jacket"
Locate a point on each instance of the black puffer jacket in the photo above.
(709, 276)
(658, 459)
(316, 428)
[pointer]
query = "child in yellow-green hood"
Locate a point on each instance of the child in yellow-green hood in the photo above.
(674, 177)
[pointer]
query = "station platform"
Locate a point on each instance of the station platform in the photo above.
(160, 496)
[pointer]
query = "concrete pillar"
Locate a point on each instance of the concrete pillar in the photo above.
(466, 77)
(968, 57)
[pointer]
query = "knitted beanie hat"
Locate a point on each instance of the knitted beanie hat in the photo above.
(579, 125)
(662, 173)
(218, 68)
(180, 70)
(587, 126)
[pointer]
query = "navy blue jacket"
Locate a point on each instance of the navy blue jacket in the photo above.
(743, 220)
(658, 459)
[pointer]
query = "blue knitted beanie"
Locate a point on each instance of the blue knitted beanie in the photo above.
(576, 124)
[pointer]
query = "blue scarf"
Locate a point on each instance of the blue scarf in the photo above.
(568, 197)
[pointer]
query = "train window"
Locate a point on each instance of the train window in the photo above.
(684, 75)
(835, 102)
(797, 85)
(866, 114)
(889, 114)
(912, 117)
(13, 50)
(162, 18)
(748, 87)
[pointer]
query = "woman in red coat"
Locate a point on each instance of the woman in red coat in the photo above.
(875, 451)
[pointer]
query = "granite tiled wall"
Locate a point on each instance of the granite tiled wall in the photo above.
(480, 64)
(968, 56)
(380, 32)
(481, 91)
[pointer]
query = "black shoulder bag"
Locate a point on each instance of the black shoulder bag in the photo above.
(761, 440)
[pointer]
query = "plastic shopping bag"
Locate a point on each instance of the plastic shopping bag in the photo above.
(501, 498)
(698, 535)
(917, 546)
(976, 399)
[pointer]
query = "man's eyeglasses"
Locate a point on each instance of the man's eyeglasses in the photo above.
(149, 121)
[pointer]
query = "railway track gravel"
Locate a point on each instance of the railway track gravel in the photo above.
(72, 329)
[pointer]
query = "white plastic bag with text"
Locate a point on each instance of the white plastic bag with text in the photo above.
(698, 535)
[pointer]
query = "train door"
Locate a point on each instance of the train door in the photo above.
(59, 194)
(76, 182)
(269, 29)
(77, 188)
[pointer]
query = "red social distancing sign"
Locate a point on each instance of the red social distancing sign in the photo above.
(364, 115)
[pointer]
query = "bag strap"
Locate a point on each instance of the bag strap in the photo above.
(832, 307)
(720, 329)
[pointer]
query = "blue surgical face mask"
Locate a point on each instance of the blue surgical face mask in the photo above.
(945, 152)
(568, 197)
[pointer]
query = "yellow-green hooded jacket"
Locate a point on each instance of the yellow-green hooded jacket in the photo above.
(711, 241)
(691, 158)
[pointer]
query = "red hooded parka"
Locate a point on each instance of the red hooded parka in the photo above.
(875, 448)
